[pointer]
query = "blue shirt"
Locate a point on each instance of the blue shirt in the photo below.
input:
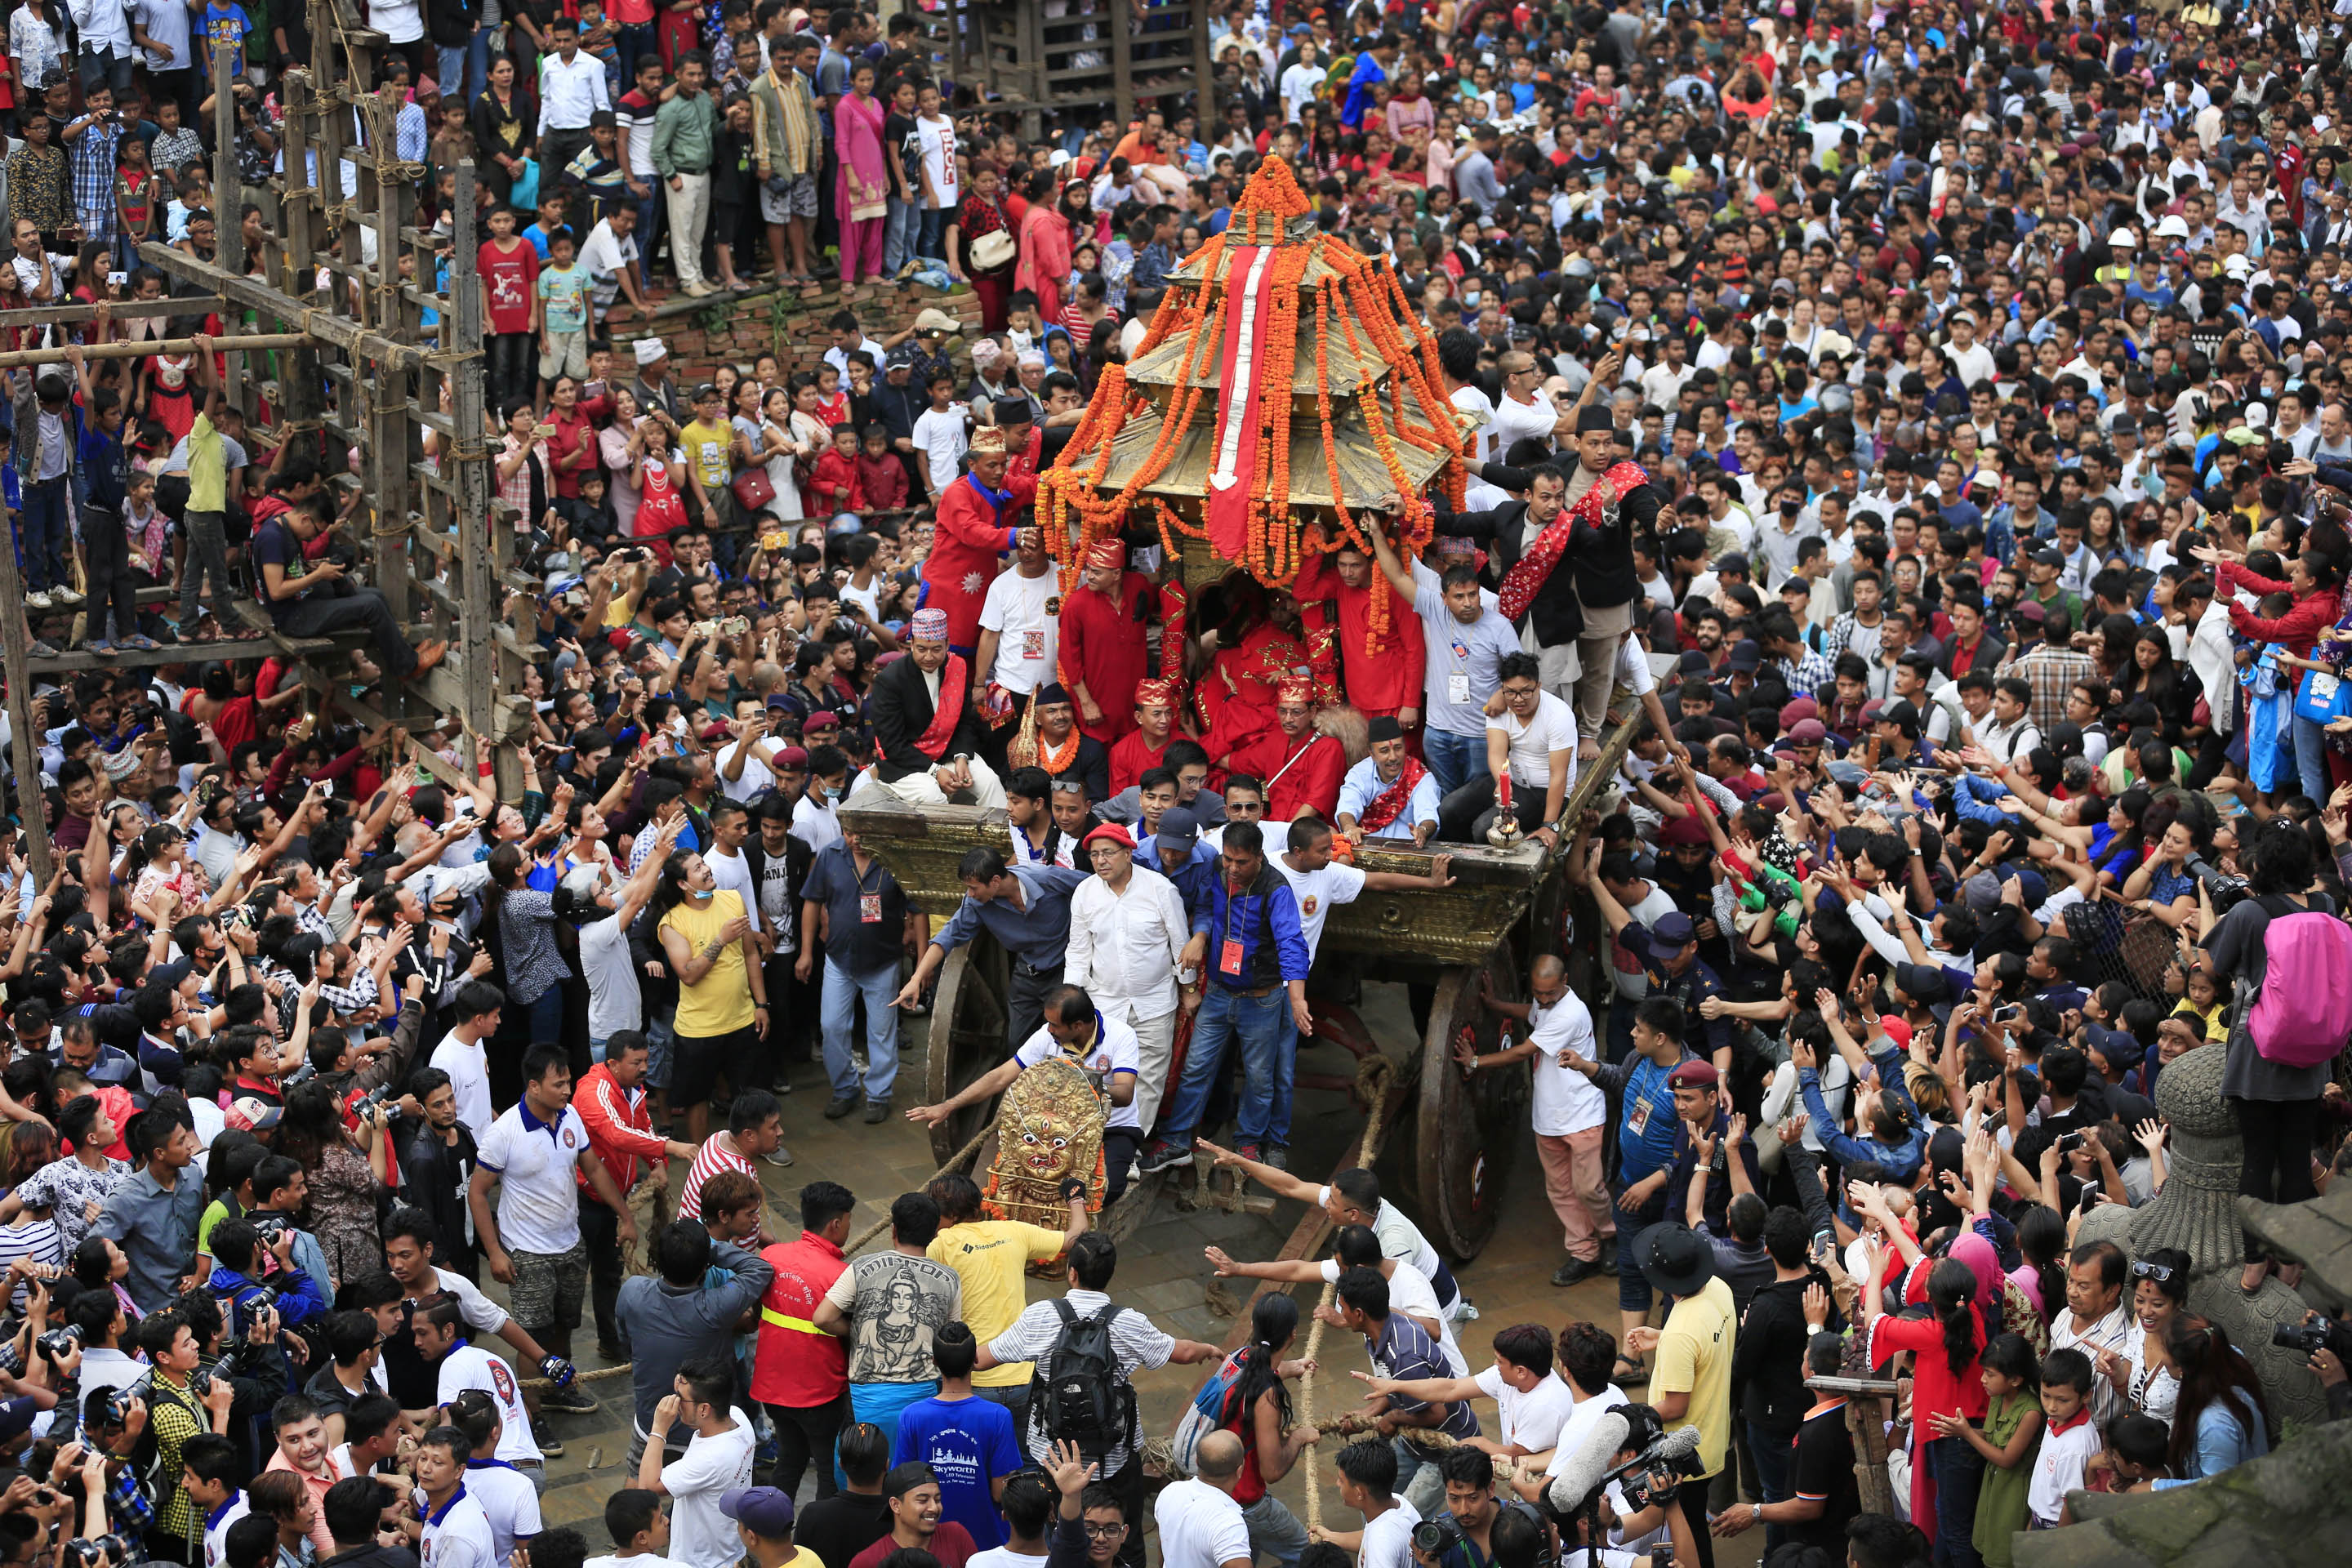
(1037, 934)
(1262, 922)
(1646, 1132)
(967, 1442)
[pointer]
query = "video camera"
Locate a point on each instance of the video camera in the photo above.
(1655, 1476)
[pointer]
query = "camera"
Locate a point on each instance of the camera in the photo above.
(2069, 1142)
(1658, 1481)
(82, 1554)
(58, 1343)
(1436, 1537)
(268, 1222)
(2309, 1338)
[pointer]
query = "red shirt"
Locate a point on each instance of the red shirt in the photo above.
(797, 1364)
(1381, 683)
(510, 283)
(1102, 645)
(952, 1543)
(1934, 1390)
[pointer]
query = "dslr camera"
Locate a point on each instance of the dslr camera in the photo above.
(1436, 1537)
(85, 1553)
(58, 1343)
(2319, 1334)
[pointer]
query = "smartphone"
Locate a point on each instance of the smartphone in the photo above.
(327, 788)
(1824, 1246)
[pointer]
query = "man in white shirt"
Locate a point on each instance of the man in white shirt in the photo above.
(1524, 414)
(461, 1054)
(1302, 82)
(717, 1460)
(458, 1364)
(609, 256)
(2098, 1317)
(531, 1239)
(570, 88)
(456, 1531)
(509, 1499)
(1368, 1473)
(1533, 740)
(1018, 632)
(1570, 1112)
(1127, 931)
(731, 825)
(1201, 1525)
(1532, 1401)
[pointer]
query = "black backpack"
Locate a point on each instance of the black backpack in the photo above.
(1085, 1399)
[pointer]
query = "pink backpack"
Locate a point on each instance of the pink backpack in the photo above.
(2304, 1016)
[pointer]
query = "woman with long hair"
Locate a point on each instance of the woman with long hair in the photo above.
(2219, 1420)
(861, 193)
(348, 1173)
(2147, 1376)
(2041, 1272)
(1257, 1410)
(1946, 1346)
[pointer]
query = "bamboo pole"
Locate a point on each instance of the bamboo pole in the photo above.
(144, 347)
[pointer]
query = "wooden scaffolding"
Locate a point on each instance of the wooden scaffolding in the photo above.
(329, 346)
(1114, 56)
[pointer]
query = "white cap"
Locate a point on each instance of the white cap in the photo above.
(2124, 239)
(651, 349)
(2173, 228)
(2237, 267)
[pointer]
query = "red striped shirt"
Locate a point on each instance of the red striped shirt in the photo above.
(708, 1161)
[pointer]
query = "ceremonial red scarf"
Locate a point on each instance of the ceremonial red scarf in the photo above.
(1386, 806)
(1527, 579)
(954, 675)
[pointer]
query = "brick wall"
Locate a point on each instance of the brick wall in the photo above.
(704, 334)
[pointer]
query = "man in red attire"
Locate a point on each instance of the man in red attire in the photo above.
(799, 1373)
(1382, 683)
(1103, 652)
(975, 528)
(1142, 748)
(1302, 769)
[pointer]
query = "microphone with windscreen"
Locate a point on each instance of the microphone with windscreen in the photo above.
(1587, 1468)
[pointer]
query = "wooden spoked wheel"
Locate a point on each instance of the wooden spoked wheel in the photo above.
(967, 1036)
(1467, 1130)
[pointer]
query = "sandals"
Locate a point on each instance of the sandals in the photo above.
(1629, 1372)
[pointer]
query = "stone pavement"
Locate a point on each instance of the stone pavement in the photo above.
(1160, 1272)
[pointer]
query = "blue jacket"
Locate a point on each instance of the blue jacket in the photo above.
(298, 1300)
(1263, 920)
(1900, 1159)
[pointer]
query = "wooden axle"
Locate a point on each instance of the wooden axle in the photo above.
(142, 348)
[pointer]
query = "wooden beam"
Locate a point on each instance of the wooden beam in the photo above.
(477, 564)
(142, 348)
(228, 222)
(361, 344)
(120, 310)
(23, 733)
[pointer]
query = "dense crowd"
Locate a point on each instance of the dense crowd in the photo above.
(1927, 426)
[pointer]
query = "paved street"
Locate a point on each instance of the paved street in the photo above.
(1161, 1270)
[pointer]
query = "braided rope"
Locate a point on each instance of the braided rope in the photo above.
(1373, 1077)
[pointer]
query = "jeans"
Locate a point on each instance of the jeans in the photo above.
(1958, 1471)
(1014, 1398)
(900, 226)
(2310, 758)
(1025, 1005)
(104, 65)
(207, 553)
(1770, 1454)
(1263, 1026)
(44, 527)
(1454, 759)
(1274, 1531)
(514, 360)
(1632, 1288)
(933, 240)
(650, 208)
(323, 613)
(543, 1015)
(1419, 1480)
(804, 1434)
(842, 989)
(472, 58)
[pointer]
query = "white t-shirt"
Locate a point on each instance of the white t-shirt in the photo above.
(995, 1557)
(1026, 634)
(1531, 1420)
(939, 435)
(1116, 1051)
(1316, 891)
(733, 871)
(1388, 1539)
(1516, 421)
(699, 1535)
(614, 1001)
(756, 776)
(471, 1366)
(1552, 729)
(938, 139)
(509, 1501)
(815, 823)
(458, 1536)
(1566, 1101)
(216, 1529)
(1578, 1425)
(469, 1068)
(1201, 1527)
(536, 1164)
(1399, 1237)
(1476, 404)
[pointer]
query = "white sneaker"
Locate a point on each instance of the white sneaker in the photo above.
(1780, 1093)
(67, 598)
(36, 600)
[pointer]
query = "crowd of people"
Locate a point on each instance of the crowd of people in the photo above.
(1929, 428)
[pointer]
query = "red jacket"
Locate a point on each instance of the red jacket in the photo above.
(620, 1126)
(799, 1365)
(974, 530)
(837, 485)
(2298, 628)
(1310, 770)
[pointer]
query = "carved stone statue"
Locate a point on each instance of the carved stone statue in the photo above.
(2198, 1212)
(1049, 1126)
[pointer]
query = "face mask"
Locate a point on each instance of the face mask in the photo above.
(1470, 298)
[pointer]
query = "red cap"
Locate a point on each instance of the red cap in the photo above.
(1693, 1075)
(1112, 831)
(1895, 1029)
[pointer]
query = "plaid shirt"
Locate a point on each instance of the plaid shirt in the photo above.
(129, 1509)
(2053, 673)
(1808, 675)
(93, 178)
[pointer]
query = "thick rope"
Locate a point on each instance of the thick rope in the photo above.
(1372, 1076)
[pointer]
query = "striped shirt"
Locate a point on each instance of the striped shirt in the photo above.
(1136, 1340)
(716, 1153)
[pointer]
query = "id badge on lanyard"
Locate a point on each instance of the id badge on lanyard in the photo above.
(869, 909)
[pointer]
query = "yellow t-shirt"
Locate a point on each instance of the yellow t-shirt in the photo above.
(1695, 1358)
(721, 1002)
(710, 447)
(991, 1257)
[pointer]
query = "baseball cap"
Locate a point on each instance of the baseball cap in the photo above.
(1674, 929)
(763, 1511)
(1178, 829)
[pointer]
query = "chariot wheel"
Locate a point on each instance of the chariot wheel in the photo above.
(967, 1036)
(1466, 1131)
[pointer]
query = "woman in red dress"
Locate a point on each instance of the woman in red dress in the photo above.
(1254, 654)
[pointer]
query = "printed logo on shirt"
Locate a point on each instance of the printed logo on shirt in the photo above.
(1308, 905)
(502, 1381)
